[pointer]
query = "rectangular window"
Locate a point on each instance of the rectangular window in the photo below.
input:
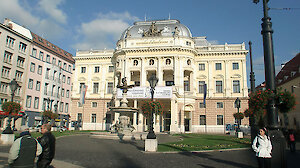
(7, 57)
(67, 93)
(83, 69)
(40, 70)
(68, 80)
(201, 105)
(186, 85)
(48, 58)
(59, 63)
(219, 119)
(97, 69)
(219, 87)
(109, 87)
(219, 104)
(30, 84)
(62, 92)
(54, 61)
(47, 76)
(218, 66)
(79, 117)
(81, 86)
(10, 42)
(67, 107)
(5, 72)
(41, 56)
(96, 87)
(69, 68)
(19, 76)
(201, 86)
(236, 86)
(22, 47)
(64, 79)
(36, 102)
(93, 118)
(33, 52)
(38, 85)
(65, 66)
(61, 107)
(20, 62)
(28, 101)
(94, 104)
(111, 69)
(32, 67)
(235, 66)
(201, 67)
(202, 119)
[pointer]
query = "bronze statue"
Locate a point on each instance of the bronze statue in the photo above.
(124, 86)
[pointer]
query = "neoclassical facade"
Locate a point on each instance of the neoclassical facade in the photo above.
(182, 63)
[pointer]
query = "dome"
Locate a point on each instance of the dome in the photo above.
(165, 28)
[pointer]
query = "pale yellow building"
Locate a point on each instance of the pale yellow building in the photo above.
(182, 63)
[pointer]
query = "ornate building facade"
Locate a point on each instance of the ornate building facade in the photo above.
(183, 65)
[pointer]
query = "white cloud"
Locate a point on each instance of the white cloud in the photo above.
(22, 15)
(51, 8)
(104, 31)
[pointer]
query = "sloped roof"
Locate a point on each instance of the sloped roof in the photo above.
(290, 71)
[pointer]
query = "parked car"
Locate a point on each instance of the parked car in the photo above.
(62, 128)
(35, 128)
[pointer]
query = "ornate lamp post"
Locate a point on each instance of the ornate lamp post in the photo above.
(13, 87)
(277, 138)
(152, 81)
(237, 103)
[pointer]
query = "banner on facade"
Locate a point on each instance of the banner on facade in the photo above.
(144, 93)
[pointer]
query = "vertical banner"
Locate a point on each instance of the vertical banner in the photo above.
(82, 94)
(205, 93)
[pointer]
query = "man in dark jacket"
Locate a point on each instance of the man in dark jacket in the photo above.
(48, 143)
(23, 151)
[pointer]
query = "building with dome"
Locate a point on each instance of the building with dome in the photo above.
(185, 66)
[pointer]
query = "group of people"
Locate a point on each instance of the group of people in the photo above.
(262, 146)
(25, 149)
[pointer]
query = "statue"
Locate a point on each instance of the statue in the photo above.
(176, 32)
(152, 32)
(124, 86)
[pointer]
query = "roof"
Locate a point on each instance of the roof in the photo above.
(290, 71)
(52, 48)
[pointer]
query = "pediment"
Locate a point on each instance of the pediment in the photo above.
(81, 79)
(236, 76)
(95, 79)
(219, 76)
(201, 77)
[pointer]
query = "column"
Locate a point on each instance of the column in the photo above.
(174, 117)
(141, 124)
(135, 115)
(143, 72)
(160, 72)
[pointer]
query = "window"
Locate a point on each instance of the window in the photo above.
(67, 93)
(235, 65)
(7, 57)
(83, 69)
(219, 119)
(79, 117)
(236, 86)
(38, 86)
(36, 102)
(5, 72)
(219, 104)
(59, 63)
(28, 101)
(54, 61)
(108, 104)
(65, 66)
(186, 85)
(94, 104)
(10, 42)
(64, 79)
(188, 62)
(201, 67)
(201, 105)
(81, 85)
(170, 83)
(22, 47)
(97, 69)
(19, 76)
(20, 61)
(69, 68)
(109, 87)
(48, 58)
(219, 87)
(135, 62)
(32, 67)
(61, 107)
(67, 107)
(151, 62)
(137, 83)
(33, 52)
(30, 84)
(202, 119)
(168, 61)
(40, 70)
(95, 87)
(62, 92)
(93, 118)
(218, 66)
(79, 104)
(47, 73)
(68, 80)
(41, 56)
(111, 69)
(201, 86)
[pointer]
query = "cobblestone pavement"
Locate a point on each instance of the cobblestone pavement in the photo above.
(90, 152)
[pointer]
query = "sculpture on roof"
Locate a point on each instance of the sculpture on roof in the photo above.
(153, 31)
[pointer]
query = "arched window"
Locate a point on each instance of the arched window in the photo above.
(188, 62)
(135, 62)
(168, 61)
(151, 62)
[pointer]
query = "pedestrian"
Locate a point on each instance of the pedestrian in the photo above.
(292, 141)
(263, 148)
(23, 151)
(48, 143)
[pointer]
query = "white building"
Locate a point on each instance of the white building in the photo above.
(183, 65)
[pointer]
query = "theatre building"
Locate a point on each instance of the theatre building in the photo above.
(182, 63)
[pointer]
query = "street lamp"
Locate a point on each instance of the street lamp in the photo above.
(152, 81)
(13, 87)
(237, 103)
(277, 138)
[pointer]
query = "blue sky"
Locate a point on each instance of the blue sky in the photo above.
(98, 24)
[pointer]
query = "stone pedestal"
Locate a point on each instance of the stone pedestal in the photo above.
(7, 138)
(150, 145)
(240, 135)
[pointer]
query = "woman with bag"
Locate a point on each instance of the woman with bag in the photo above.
(263, 148)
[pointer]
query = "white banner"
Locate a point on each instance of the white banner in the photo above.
(144, 93)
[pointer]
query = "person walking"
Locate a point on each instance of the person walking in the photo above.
(292, 141)
(48, 143)
(263, 148)
(23, 151)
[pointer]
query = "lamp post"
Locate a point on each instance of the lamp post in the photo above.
(237, 103)
(277, 138)
(13, 87)
(152, 81)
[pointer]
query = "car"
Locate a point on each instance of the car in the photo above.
(62, 128)
(35, 128)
